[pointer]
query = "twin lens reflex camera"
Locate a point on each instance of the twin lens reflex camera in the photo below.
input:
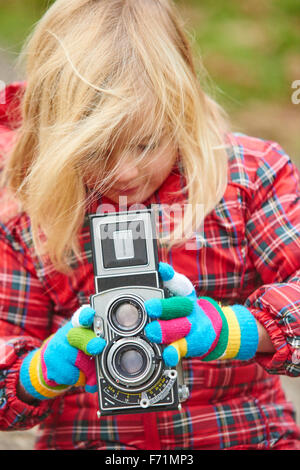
(131, 374)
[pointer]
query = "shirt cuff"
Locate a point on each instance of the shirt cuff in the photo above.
(18, 414)
(277, 362)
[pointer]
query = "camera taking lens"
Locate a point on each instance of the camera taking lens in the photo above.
(130, 363)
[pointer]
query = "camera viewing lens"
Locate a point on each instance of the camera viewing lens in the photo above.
(126, 315)
(131, 362)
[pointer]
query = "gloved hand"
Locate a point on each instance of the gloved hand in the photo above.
(64, 360)
(200, 327)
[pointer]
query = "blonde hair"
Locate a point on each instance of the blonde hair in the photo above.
(92, 69)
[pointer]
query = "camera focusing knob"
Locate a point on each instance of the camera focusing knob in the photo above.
(183, 392)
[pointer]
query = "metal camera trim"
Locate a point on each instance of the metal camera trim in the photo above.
(138, 328)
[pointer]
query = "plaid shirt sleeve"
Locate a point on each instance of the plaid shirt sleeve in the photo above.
(24, 318)
(273, 232)
(22, 299)
(10, 119)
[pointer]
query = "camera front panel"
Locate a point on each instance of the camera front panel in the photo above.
(132, 376)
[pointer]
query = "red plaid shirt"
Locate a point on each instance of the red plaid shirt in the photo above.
(250, 255)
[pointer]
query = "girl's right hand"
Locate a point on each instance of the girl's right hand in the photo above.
(65, 360)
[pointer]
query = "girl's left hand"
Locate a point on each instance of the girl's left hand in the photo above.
(198, 327)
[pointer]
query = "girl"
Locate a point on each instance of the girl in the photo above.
(112, 107)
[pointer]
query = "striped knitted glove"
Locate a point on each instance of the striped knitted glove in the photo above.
(64, 360)
(200, 327)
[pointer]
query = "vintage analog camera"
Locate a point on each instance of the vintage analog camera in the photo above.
(131, 373)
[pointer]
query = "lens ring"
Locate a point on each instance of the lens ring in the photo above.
(127, 315)
(137, 385)
(142, 364)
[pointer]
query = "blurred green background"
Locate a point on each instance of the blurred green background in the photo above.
(249, 48)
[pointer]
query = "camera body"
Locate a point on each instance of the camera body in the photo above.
(131, 373)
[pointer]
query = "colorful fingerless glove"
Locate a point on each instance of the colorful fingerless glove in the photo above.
(64, 360)
(198, 327)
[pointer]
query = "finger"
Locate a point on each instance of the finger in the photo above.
(86, 341)
(166, 332)
(87, 367)
(174, 352)
(81, 380)
(84, 316)
(177, 283)
(172, 307)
